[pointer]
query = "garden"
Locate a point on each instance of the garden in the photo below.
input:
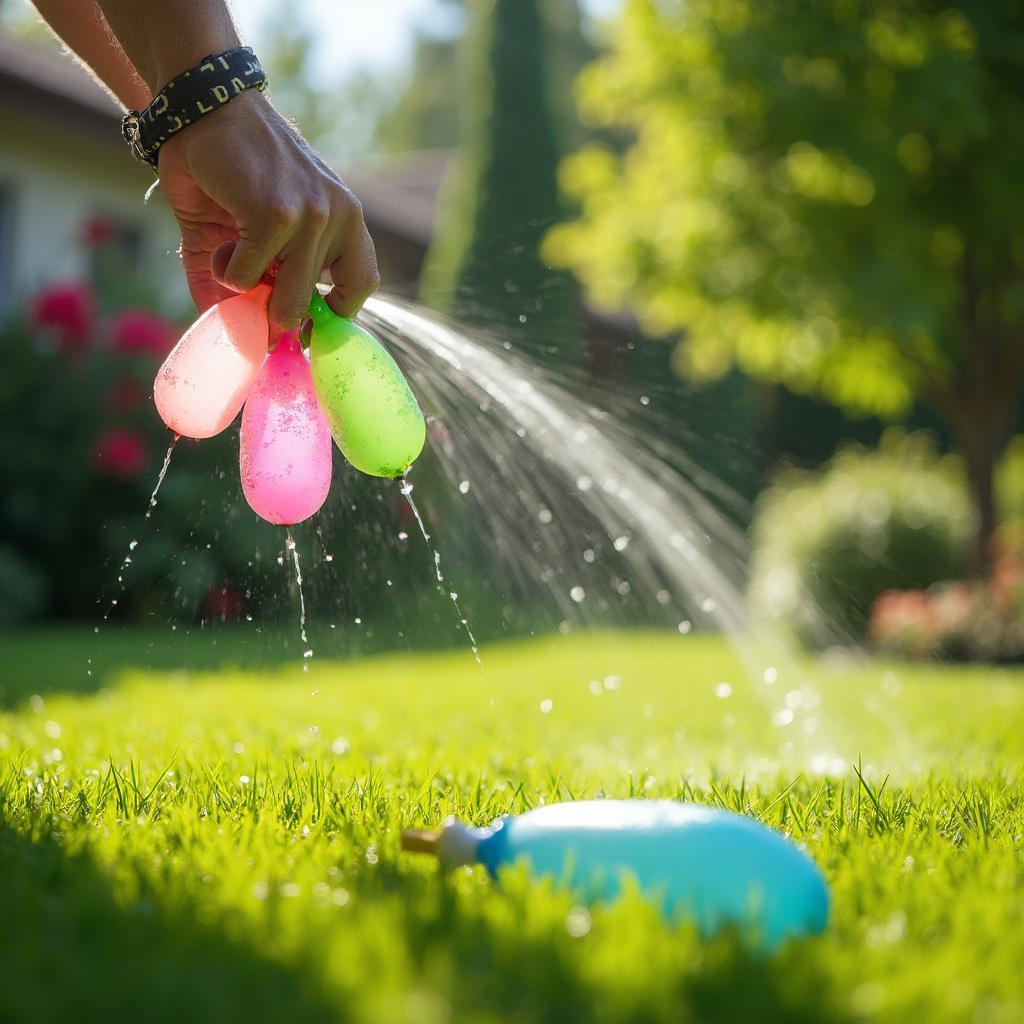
(701, 516)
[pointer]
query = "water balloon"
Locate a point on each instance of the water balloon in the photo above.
(697, 863)
(372, 413)
(285, 442)
(203, 383)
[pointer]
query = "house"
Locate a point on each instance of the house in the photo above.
(63, 165)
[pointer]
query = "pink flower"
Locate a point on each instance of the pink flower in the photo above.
(137, 330)
(66, 309)
(120, 453)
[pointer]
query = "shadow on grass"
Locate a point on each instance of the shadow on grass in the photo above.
(70, 952)
(76, 660)
(530, 972)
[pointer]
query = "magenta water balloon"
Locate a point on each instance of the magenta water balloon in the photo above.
(285, 444)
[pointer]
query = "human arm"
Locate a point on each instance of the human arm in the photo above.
(245, 187)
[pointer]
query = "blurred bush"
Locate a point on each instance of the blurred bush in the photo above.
(80, 448)
(976, 620)
(827, 544)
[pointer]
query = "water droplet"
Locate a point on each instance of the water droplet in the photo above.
(577, 594)
(577, 924)
(685, 626)
(584, 483)
(770, 675)
(546, 705)
(707, 605)
(722, 690)
(588, 555)
(621, 543)
(644, 400)
(545, 516)
(328, 558)
(464, 487)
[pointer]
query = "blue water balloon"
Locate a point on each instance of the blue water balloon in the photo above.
(695, 863)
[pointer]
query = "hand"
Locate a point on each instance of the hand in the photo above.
(247, 191)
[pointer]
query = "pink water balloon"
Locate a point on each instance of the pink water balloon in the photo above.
(204, 381)
(285, 448)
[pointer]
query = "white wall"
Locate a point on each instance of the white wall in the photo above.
(56, 185)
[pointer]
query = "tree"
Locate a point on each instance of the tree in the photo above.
(503, 197)
(825, 192)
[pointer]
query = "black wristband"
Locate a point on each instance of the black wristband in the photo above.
(193, 94)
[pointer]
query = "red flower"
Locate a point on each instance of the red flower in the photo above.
(120, 453)
(66, 309)
(137, 330)
(98, 230)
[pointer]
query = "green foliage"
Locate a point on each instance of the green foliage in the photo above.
(1010, 480)
(819, 190)
(224, 846)
(826, 545)
(503, 194)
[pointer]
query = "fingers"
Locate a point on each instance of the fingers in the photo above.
(205, 288)
(254, 253)
(354, 271)
(339, 241)
(298, 273)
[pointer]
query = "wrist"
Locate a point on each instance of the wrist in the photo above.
(175, 55)
(199, 91)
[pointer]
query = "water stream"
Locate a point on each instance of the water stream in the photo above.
(307, 651)
(581, 508)
(438, 574)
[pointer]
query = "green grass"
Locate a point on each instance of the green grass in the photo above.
(184, 846)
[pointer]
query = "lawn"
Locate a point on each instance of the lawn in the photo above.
(221, 844)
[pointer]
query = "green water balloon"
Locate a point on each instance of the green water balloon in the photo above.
(373, 414)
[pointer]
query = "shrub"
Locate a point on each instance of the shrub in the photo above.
(827, 544)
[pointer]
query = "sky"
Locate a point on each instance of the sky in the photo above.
(370, 34)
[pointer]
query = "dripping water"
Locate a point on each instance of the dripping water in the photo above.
(307, 651)
(133, 544)
(163, 473)
(438, 574)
